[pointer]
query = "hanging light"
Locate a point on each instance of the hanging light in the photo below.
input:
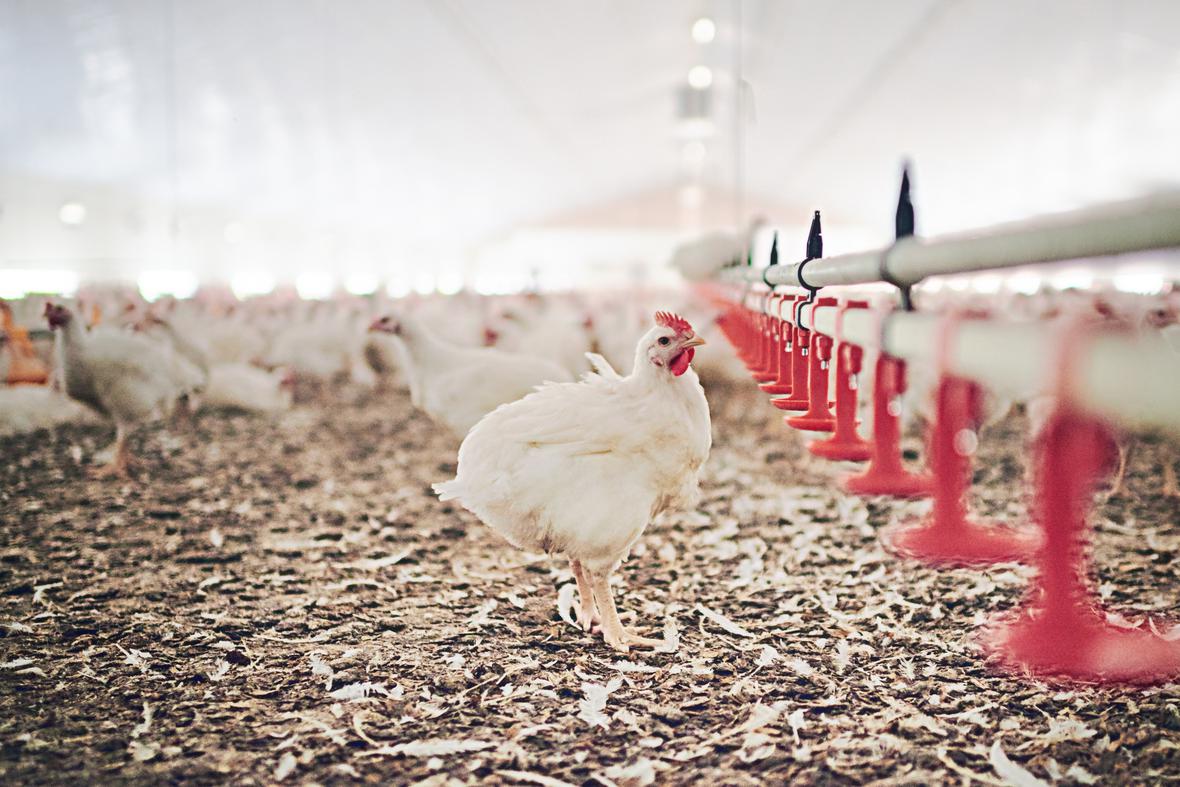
(72, 213)
(704, 30)
(700, 77)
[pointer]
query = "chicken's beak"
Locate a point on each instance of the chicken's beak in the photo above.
(695, 341)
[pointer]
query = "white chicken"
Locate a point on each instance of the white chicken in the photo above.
(27, 408)
(126, 377)
(579, 469)
(457, 386)
(246, 388)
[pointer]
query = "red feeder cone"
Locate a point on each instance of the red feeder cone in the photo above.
(818, 417)
(1060, 631)
(845, 444)
(744, 346)
(798, 398)
(782, 381)
(886, 475)
(766, 369)
(946, 537)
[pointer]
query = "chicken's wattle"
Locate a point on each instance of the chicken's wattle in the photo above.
(680, 361)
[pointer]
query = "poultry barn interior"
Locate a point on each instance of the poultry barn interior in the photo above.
(566, 393)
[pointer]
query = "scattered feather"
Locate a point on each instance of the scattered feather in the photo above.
(723, 622)
(1010, 772)
(593, 703)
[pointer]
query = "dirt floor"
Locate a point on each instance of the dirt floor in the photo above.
(286, 601)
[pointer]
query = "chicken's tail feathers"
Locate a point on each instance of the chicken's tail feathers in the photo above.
(447, 490)
(602, 366)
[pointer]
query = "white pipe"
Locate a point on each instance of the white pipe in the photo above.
(1116, 228)
(1132, 380)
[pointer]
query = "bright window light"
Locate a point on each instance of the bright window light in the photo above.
(1025, 283)
(361, 283)
(1077, 278)
(251, 282)
(700, 77)
(499, 283)
(1139, 282)
(424, 283)
(158, 283)
(704, 30)
(19, 282)
(397, 287)
(987, 283)
(72, 213)
(958, 284)
(450, 283)
(314, 285)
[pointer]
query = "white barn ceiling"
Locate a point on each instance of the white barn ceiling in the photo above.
(292, 133)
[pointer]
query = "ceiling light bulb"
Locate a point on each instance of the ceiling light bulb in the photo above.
(72, 213)
(704, 30)
(700, 77)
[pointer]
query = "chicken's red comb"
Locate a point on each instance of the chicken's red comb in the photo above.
(673, 321)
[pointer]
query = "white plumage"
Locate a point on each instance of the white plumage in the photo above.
(241, 386)
(580, 469)
(127, 377)
(27, 408)
(457, 386)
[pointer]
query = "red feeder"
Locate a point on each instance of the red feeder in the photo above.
(742, 335)
(782, 381)
(845, 444)
(818, 417)
(946, 537)
(1061, 632)
(766, 370)
(885, 474)
(800, 398)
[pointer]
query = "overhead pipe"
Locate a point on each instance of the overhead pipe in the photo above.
(1145, 224)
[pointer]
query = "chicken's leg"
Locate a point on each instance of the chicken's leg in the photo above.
(1116, 485)
(613, 632)
(1171, 487)
(587, 614)
(121, 460)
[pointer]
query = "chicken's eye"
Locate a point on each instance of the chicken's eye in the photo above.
(664, 340)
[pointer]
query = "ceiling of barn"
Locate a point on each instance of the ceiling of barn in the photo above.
(214, 132)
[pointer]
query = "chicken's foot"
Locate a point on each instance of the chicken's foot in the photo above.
(121, 461)
(613, 631)
(1170, 488)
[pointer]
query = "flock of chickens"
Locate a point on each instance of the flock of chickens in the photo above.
(500, 373)
(560, 452)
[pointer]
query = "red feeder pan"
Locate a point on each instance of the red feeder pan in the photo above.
(845, 444)
(1061, 632)
(885, 474)
(946, 537)
(818, 417)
